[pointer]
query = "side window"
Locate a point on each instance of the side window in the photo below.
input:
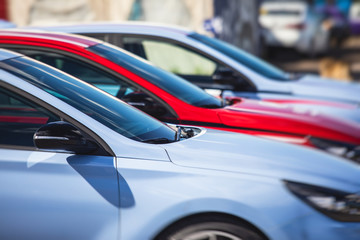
(20, 118)
(105, 81)
(189, 64)
(171, 57)
(83, 71)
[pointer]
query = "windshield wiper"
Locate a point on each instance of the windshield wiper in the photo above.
(158, 140)
(295, 76)
(225, 102)
(184, 132)
(178, 133)
(210, 106)
(166, 140)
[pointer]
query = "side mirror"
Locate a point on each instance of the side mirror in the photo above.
(225, 76)
(145, 103)
(228, 79)
(63, 136)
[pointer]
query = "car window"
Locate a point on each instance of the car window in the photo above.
(106, 82)
(165, 80)
(75, 68)
(187, 63)
(170, 56)
(20, 118)
(89, 100)
(252, 62)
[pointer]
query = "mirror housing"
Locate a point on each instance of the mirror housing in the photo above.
(63, 136)
(145, 103)
(227, 77)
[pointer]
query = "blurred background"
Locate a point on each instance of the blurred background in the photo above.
(307, 36)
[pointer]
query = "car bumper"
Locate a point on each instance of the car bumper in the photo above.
(318, 226)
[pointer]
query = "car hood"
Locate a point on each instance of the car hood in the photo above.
(342, 110)
(315, 86)
(232, 152)
(253, 114)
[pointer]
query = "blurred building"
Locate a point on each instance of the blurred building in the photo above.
(234, 21)
(187, 13)
(239, 23)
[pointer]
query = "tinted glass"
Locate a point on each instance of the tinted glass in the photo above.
(106, 109)
(250, 61)
(169, 82)
(79, 69)
(105, 81)
(20, 118)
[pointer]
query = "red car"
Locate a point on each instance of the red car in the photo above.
(174, 100)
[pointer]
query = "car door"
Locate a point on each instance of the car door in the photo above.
(50, 194)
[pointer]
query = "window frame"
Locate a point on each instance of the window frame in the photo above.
(106, 150)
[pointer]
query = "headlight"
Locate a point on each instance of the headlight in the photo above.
(338, 205)
(349, 151)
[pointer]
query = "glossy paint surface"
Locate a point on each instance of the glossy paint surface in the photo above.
(248, 116)
(308, 87)
(137, 192)
(181, 35)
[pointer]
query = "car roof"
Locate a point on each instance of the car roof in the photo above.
(6, 54)
(117, 27)
(79, 41)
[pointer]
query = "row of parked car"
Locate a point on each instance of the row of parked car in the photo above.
(310, 27)
(79, 160)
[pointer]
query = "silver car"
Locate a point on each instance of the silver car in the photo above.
(224, 69)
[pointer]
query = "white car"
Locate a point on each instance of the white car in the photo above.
(293, 24)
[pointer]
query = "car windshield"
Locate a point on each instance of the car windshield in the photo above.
(108, 110)
(169, 82)
(248, 60)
